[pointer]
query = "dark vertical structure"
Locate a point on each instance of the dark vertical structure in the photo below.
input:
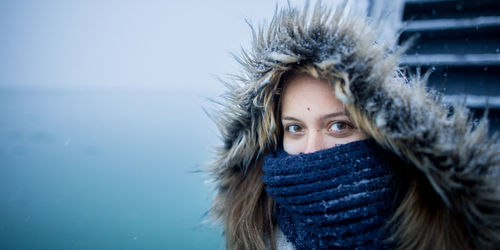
(459, 41)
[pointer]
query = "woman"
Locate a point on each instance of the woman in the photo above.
(328, 145)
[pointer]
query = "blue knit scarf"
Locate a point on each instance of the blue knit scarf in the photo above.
(338, 198)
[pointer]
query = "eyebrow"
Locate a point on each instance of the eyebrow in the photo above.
(289, 118)
(327, 116)
(323, 117)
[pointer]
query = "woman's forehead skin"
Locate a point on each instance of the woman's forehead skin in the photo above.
(308, 97)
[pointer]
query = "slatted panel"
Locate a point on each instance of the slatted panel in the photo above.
(460, 42)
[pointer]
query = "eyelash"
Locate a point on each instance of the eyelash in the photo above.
(347, 124)
(288, 127)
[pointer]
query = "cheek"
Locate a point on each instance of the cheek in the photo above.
(292, 147)
(331, 141)
(362, 136)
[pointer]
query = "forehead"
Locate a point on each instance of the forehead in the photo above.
(305, 93)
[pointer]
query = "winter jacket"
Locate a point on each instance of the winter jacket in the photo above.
(450, 162)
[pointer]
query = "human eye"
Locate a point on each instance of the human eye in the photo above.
(294, 129)
(340, 128)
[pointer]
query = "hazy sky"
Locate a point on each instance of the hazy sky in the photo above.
(131, 45)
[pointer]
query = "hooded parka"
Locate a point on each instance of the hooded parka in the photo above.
(451, 200)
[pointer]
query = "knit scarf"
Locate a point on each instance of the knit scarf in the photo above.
(341, 197)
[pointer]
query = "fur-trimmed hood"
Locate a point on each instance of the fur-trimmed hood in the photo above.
(452, 165)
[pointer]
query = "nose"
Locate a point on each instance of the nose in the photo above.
(315, 142)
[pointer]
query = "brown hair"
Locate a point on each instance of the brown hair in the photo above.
(244, 206)
(249, 220)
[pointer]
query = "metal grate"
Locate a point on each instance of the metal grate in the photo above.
(459, 41)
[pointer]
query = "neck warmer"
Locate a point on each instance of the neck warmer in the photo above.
(341, 197)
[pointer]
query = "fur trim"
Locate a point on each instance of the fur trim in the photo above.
(446, 153)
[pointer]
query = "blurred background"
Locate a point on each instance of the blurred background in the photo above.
(102, 128)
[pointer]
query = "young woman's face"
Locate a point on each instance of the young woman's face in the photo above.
(313, 118)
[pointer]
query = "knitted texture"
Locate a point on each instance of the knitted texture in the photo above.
(340, 197)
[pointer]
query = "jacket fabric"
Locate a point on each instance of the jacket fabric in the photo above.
(450, 162)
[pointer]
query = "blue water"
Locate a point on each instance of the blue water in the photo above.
(104, 170)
